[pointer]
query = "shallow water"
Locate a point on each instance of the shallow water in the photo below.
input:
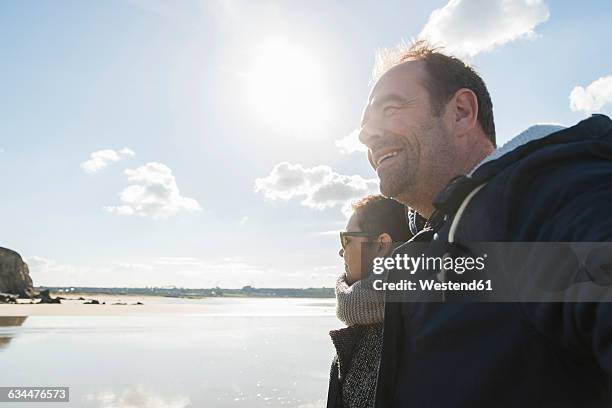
(230, 353)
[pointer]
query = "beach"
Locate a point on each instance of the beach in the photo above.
(121, 305)
(172, 352)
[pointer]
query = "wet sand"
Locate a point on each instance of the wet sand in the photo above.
(153, 305)
(173, 352)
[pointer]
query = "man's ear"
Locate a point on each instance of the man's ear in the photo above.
(465, 113)
(384, 245)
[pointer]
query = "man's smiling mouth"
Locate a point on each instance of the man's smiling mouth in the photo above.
(386, 157)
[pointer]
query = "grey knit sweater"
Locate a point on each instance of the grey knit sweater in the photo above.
(358, 346)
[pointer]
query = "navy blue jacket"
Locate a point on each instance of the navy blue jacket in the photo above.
(554, 189)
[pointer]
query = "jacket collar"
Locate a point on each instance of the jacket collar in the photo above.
(538, 137)
(534, 132)
(534, 138)
(450, 197)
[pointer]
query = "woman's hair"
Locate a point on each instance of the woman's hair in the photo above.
(377, 213)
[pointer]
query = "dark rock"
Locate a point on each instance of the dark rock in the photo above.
(139, 303)
(92, 302)
(45, 297)
(15, 275)
(8, 298)
(81, 298)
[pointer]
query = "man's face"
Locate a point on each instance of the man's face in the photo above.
(403, 136)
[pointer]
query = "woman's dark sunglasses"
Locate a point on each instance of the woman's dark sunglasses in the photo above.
(345, 234)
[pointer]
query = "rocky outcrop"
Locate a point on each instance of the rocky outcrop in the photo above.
(14, 275)
(8, 298)
(45, 297)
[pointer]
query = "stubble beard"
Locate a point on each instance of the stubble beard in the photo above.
(408, 178)
(397, 180)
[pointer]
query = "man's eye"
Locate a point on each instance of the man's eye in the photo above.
(390, 110)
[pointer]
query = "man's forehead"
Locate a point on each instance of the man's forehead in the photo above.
(397, 79)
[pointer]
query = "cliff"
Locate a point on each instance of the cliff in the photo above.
(14, 274)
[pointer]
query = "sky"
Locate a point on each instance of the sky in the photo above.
(211, 143)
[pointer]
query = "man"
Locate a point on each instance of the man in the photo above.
(429, 119)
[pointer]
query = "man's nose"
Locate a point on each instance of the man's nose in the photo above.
(368, 136)
(341, 252)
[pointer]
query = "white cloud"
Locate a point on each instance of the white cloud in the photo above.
(593, 97)
(195, 267)
(330, 232)
(175, 271)
(319, 187)
(48, 272)
(351, 144)
(177, 260)
(154, 194)
(102, 158)
(468, 27)
(138, 397)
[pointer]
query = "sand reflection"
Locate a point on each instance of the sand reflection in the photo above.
(9, 321)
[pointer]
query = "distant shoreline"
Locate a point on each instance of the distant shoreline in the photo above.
(80, 304)
(245, 292)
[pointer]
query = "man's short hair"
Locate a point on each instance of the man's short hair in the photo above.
(380, 214)
(447, 74)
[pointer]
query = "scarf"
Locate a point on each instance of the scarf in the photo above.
(359, 303)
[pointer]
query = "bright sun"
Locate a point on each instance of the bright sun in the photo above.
(287, 88)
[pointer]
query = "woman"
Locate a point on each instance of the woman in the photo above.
(375, 227)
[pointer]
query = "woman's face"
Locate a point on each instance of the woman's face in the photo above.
(352, 251)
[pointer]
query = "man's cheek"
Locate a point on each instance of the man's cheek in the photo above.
(398, 127)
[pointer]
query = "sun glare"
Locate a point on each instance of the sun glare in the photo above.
(286, 86)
